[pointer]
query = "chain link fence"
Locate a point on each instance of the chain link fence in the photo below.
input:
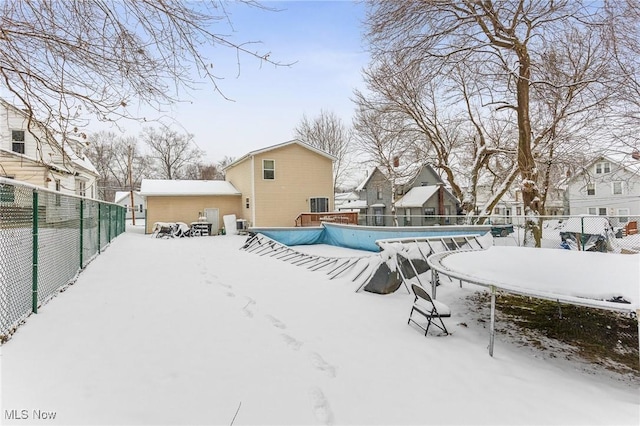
(612, 234)
(46, 238)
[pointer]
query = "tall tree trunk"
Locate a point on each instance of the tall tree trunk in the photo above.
(526, 162)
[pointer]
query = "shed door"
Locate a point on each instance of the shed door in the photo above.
(212, 217)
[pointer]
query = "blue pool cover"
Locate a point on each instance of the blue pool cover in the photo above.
(362, 237)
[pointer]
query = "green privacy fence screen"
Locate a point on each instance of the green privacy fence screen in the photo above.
(46, 238)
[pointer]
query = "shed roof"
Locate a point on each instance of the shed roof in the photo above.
(165, 187)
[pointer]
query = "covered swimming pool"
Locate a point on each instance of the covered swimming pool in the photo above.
(362, 237)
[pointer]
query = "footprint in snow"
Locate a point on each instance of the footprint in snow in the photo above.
(322, 365)
(276, 322)
(246, 310)
(320, 406)
(291, 342)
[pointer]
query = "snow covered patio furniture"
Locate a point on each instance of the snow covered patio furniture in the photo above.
(162, 229)
(170, 230)
(431, 309)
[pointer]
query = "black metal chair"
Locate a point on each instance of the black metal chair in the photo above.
(431, 309)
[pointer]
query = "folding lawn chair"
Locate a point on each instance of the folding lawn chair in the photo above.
(431, 309)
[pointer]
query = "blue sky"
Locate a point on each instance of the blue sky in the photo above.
(324, 41)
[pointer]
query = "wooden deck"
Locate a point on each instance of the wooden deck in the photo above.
(315, 219)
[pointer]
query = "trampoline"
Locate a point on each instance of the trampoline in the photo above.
(574, 277)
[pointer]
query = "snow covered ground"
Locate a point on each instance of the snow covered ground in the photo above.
(195, 331)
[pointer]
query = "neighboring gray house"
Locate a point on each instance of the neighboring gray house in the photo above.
(608, 186)
(418, 199)
(123, 198)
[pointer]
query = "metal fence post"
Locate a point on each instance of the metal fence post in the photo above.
(81, 232)
(110, 220)
(34, 270)
(582, 232)
(99, 226)
(492, 329)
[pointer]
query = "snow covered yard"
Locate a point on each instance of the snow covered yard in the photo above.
(195, 331)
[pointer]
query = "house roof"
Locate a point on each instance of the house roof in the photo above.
(83, 162)
(165, 187)
(417, 196)
(411, 173)
(366, 179)
(353, 205)
(123, 194)
(278, 146)
(625, 161)
(52, 166)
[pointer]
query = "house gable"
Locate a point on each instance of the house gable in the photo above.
(606, 186)
(278, 183)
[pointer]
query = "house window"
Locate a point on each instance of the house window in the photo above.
(319, 205)
(591, 189)
(379, 192)
(617, 188)
(81, 188)
(602, 211)
(429, 211)
(623, 215)
(496, 210)
(246, 202)
(141, 208)
(17, 141)
(519, 211)
(592, 210)
(378, 217)
(603, 167)
(268, 169)
(57, 199)
(407, 217)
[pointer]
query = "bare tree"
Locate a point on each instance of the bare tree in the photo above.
(101, 153)
(328, 133)
(507, 45)
(203, 171)
(119, 163)
(62, 60)
(440, 121)
(170, 151)
(378, 139)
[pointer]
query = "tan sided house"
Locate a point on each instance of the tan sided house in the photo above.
(279, 182)
(188, 200)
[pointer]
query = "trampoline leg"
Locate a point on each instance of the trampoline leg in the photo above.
(493, 319)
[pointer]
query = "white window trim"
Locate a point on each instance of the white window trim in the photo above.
(264, 169)
(23, 141)
(613, 186)
(318, 197)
